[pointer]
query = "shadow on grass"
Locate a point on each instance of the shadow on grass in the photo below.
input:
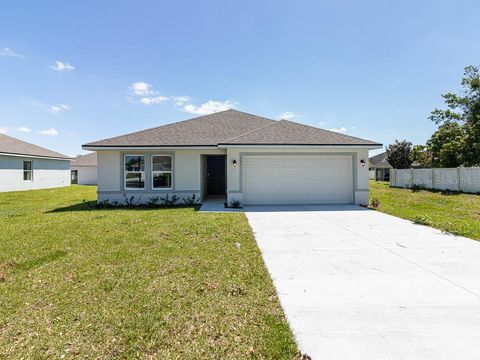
(93, 206)
(33, 263)
(441, 192)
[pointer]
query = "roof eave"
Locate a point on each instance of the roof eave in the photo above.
(36, 156)
(367, 146)
(94, 147)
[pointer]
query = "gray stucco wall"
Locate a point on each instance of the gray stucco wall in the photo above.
(47, 173)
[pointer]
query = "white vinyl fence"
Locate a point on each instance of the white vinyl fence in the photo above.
(454, 179)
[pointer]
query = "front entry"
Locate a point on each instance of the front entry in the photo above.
(216, 175)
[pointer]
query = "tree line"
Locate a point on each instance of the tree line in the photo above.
(457, 139)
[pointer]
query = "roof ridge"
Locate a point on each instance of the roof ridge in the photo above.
(156, 127)
(179, 122)
(274, 122)
(329, 131)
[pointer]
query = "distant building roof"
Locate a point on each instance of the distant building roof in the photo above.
(379, 161)
(85, 160)
(13, 146)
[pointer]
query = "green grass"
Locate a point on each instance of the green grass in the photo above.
(132, 283)
(451, 212)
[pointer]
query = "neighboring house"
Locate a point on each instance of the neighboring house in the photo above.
(243, 157)
(24, 166)
(380, 166)
(84, 169)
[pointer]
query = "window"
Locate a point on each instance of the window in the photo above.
(27, 171)
(134, 171)
(161, 172)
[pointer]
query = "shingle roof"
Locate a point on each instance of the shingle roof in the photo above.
(379, 161)
(10, 145)
(85, 160)
(204, 130)
(231, 127)
(286, 132)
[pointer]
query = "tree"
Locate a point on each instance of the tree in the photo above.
(463, 110)
(398, 154)
(447, 145)
(421, 156)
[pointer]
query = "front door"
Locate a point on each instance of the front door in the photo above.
(74, 174)
(216, 175)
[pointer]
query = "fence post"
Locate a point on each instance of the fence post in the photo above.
(433, 178)
(459, 174)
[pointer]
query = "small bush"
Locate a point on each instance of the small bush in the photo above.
(235, 204)
(190, 200)
(153, 201)
(130, 201)
(375, 203)
(170, 201)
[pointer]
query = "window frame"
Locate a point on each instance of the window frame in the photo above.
(125, 172)
(152, 172)
(28, 171)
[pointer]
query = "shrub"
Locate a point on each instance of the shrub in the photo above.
(375, 203)
(170, 202)
(153, 201)
(190, 200)
(235, 204)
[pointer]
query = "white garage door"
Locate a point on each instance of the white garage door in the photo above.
(297, 179)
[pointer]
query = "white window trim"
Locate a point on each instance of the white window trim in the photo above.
(161, 172)
(30, 171)
(133, 172)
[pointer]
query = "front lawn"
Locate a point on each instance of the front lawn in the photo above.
(452, 212)
(132, 283)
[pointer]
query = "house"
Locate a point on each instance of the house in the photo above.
(84, 169)
(24, 166)
(232, 154)
(380, 167)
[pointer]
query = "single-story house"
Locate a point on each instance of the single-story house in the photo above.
(24, 166)
(380, 166)
(84, 169)
(239, 156)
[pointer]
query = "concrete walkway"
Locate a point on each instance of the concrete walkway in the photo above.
(359, 284)
(216, 204)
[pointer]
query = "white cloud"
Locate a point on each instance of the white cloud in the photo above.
(23, 129)
(148, 95)
(58, 108)
(62, 66)
(209, 107)
(153, 100)
(142, 89)
(343, 129)
(4, 129)
(48, 132)
(287, 115)
(180, 100)
(6, 51)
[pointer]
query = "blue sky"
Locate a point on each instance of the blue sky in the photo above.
(74, 72)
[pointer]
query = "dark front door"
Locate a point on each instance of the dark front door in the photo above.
(74, 176)
(216, 175)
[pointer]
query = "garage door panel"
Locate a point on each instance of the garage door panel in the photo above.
(286, 179)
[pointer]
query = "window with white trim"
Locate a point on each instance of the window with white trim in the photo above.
(27, 170)
(134, 171)
(161, 172)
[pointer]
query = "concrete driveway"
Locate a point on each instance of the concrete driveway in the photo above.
(359, 284)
